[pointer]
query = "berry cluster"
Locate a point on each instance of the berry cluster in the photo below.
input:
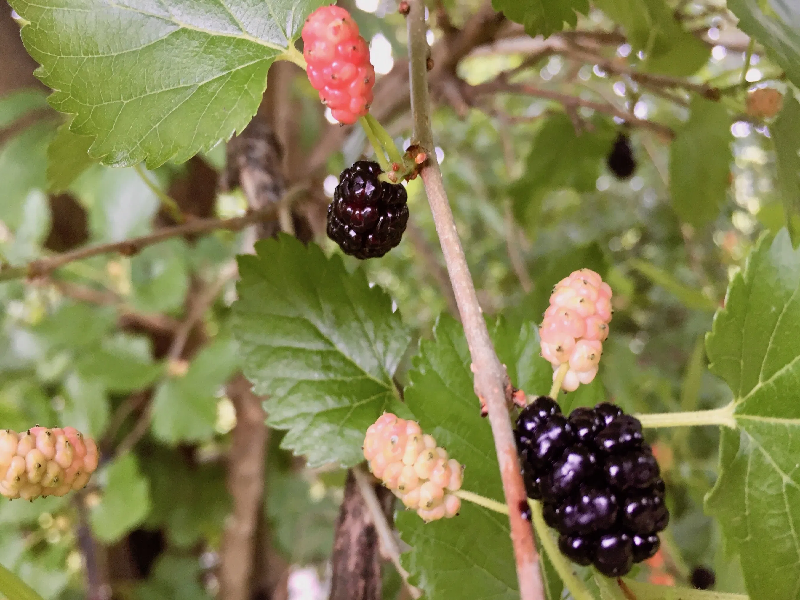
(45, 461)
(411, 465)
(575, 326)
(598, 480)
(368, 216)
(338, 66)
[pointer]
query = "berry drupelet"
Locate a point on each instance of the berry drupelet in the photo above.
(598, 481)
(368, 216)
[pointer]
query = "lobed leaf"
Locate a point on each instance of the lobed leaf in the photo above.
(755, 347)
(157, 81)
(322, 344)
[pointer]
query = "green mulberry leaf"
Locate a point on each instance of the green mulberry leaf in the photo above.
(755, 347)
(157, 81)
(322, 344)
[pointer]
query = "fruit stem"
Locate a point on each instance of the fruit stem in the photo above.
(12, 586)
(385, 139)
(722, 416)
(169, 203)
(380, 155)
(562, 565)
(293, 55)
(482, 501)
(558, 380)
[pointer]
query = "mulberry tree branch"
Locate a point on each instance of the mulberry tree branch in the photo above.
(43, 267)
(490, 375)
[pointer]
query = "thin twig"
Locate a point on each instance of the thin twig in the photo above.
(500, 85)
(490, 376)
(512, 233)
(42, 267)
(126, 407)
(136, 433)
(653, 79)
(199, 308)
(150, 321)
(385, 533)
(245, 483)
(94, 554)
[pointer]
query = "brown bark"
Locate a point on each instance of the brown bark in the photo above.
(246, 484)
(356, 559)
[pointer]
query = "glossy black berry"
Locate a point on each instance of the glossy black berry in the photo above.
(591, 510)
(367, 217)
(532, 416)
(621, 161)
(551, 513)
(549, 440)
(614, 554)
(598, 482)
(645, 513)
(580, 549)
(576, 465)
(533, 482)
(622, 434)
(607, 412)
(585, 423)
(703, 578)
(644, 546)
(635, 469)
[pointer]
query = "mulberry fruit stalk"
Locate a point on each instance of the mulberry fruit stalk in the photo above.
(337, 60)
(45, 461)
(599, 483)
(368, 216)
(575, 326)
(410, 464)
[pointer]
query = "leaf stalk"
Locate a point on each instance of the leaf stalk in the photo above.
(722, 416)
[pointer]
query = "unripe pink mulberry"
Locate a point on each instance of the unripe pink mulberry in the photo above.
(411, 465)
(338, 66)
(45, 461)
(575, 326)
